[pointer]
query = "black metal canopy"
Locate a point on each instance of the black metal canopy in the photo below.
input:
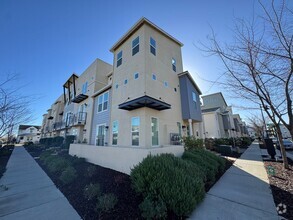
(145, 101)
(79, 98)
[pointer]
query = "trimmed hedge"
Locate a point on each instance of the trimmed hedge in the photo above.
(168, 181)
(191, 142)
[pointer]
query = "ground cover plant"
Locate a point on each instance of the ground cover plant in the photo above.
(281, 183)
(5, 153)
(95, 192)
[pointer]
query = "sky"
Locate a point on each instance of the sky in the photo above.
(45, 41)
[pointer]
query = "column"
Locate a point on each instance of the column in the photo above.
(190, 127)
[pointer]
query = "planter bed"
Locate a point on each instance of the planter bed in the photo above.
(281, 183)
(110, 181)
(5, 153)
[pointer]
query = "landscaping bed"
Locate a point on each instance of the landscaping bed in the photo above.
(281, 182)
(5, 153)
(111, 183)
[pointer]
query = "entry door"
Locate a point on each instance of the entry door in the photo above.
(155, 132)
(101, 134)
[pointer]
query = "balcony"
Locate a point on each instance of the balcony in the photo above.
(79, 98)
(76, 119)
(58, 125)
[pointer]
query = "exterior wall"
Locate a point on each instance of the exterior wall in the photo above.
(100, 118)
(189, 111)
(122, 159)
(29, 134)
(214, 100)
(212, 128)
(145, 63)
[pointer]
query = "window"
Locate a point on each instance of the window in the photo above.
(179, 128)
(194, 99)
(155, 132)
(154, 77)
(119, 58)
(174, 64)
(135, 122)
(103, 102)
(116, 86)
(175, 90)
(135, 75)
(125, 81)
(84, 88)
(115, 133)
(166, 84)
(153, 46)
(135, 46)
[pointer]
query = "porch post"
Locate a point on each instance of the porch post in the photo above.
(190, 127)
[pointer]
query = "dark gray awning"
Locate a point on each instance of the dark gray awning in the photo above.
(79, 98)
(145, 101)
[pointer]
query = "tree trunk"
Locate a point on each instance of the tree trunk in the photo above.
(283, 151)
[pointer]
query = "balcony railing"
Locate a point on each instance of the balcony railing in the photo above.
(79, 118)
(73, 120)
(58, 125)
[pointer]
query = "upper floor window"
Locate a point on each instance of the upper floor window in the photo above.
(153, 46)
(166, 84)
(125, 81)
(84, 88)
(103, 102)
(135, 46)
(116, 86)
(174, 64)
(136, 75)
(119, 58)
(154, 77)
(194, 98)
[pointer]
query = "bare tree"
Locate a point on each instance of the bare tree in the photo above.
(259, 64)
(14, 107)
(257, 124)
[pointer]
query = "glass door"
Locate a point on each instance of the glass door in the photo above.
(101, 134)
(155, 132)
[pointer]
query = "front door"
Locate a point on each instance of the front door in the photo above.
(155, 132)
(100, 136)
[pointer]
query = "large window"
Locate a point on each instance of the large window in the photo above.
(153, 46)
(84, 88)
(194, 99)
(119, 58)
(100, 135)
(135, 122)
(103, 102)
(135, 46)
(174, 64)
(115, 133)
(155, 132)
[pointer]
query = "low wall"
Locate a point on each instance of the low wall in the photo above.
(122, 159)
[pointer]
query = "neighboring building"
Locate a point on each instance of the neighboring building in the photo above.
(251, 132)
(28, 133)
(285, 132)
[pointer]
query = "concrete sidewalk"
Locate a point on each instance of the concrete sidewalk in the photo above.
(31, 194)
(243, 192)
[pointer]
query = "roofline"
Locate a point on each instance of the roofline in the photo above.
(215, 94)
(191, 79)
(107, 87)
(136, 26)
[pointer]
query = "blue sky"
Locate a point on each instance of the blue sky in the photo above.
(45, 41)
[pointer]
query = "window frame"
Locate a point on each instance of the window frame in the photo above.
(134, 76)
(103, 101)
(118, 58)
(154, 47)
(194, 100)
(115, 132)
(132, 118)
(154, 76)
(135, 46)
(174, 64)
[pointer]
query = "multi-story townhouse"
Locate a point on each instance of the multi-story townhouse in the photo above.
(217, 117)
(79, 105)
(28, 133)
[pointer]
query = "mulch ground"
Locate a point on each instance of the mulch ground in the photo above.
(5, 153)
(281, 182)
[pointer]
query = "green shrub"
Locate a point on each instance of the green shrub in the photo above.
(69, 139)
(178, 183)
(210, 143)
(209, 169)
(92, 191)
(152, 209)
(76, 160)
(58, 141)
(91, 170)
(224, 150)
(30, 143)
(68, 175)
(57, 164)
(106, 203)
(191, 142)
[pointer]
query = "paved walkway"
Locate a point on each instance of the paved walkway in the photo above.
(31, 194)
(243, 192)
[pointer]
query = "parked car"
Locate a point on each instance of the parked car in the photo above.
(288, 144)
